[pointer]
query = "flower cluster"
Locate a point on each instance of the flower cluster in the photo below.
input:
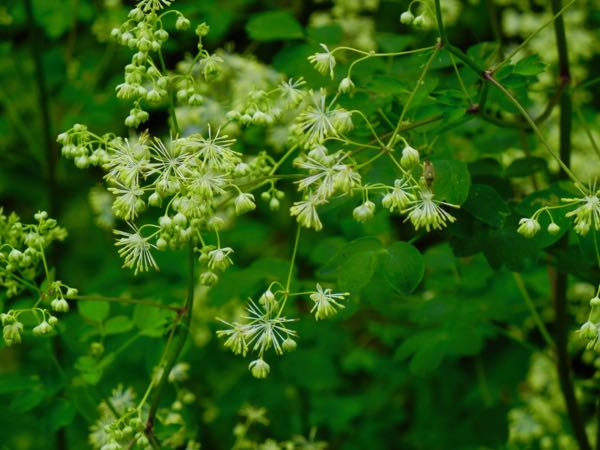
(590, 330)
(22, 264)
(262, 328)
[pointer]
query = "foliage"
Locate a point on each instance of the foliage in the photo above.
(389, 208)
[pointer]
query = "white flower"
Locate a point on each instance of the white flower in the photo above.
(236, 337)
(128, 203)
(290, 91)
(326, 302)
(426, 212)
(400, 196)
(135, 250)
(586, 215)
(315, 123)
(244, 203)
(42, 328)
(12, 332)
(306, 212)
(528, 227)
(219, 259)
(127, 161)
(265, 328)
(323, 62)
(214, 151)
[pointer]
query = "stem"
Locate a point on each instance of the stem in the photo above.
(290, 271)
(560, 282)
(529, 302)
(171, 95)
(172, 359)
(536, 130)
(101, 298)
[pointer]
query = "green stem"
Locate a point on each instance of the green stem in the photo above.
(171, 95)
(535, 129)
(535, 315)
(561, 282)
(288, 282)
(172, 358)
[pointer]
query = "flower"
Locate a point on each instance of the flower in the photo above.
(179, 372)
(528, 227)
(219, 259)
(426, 212)
(306, 212)
(324, 62)
(244, 203)
(12, 332)
(346, 86)
(290, 91)
(400, 196)
(259, 368)
(59, 305)
(587, 214)
(364, 212)
(326, 302)
(135, 250)
(42, 328)
(553, 228)
(316, 122)
(236, 337)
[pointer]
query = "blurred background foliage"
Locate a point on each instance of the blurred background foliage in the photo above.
(439, 369)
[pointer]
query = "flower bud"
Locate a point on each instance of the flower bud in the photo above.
(364, 212)
(209, 278)
(182, 23)
(553, 228)
(43, 328)
(59, 305)
(528, 227)
(71, 292)
(289, 345)
(346, 86)
(410, 157)
(407, 18)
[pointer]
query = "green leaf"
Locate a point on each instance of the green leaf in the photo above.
(485, 204)
(273, 26)
(523, 167)
(96, 311)
(530, 66)
(356, 272)
(148, 319)
(60, 414)
(452, 180)
(403, 266)
(118, 325)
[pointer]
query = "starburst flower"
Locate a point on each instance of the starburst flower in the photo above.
(324, 62)
(127, 161)
(290, 91)
(213, 151)
(265, 329)
(315, 123)
(128, 202)
(587, 215)
(426, 212)
(326, 302)
(236, 337)
(400, 197)
(135, 249)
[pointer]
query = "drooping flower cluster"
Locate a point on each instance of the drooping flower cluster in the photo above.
(23, 266)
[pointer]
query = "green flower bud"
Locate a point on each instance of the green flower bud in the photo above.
(259, 368)
(364, 212)
(244, 203)
(59, 305)
(410, 157)
(43, 328)
(553, 228)
(182, 23)
(289, 345)
(346, 86)
(528, 227)
(407, 18)
(209, 278)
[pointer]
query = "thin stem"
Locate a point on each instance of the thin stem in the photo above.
(288, 282)
(411, 96)
(101, 298)
(535, 128)
(181, 339)
(534, 314)
(171, 95)
(555, 19)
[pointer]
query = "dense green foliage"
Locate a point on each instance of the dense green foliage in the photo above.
(387, 212)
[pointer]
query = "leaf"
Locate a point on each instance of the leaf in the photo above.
(364, 244)
(485, 204)
(273, 26)
(148, 319)
(452, 180)
(60, 414)
(403, 266)
(523, 167)
(530, 66)
(96, 311)
(356, 272)
(118, 325)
